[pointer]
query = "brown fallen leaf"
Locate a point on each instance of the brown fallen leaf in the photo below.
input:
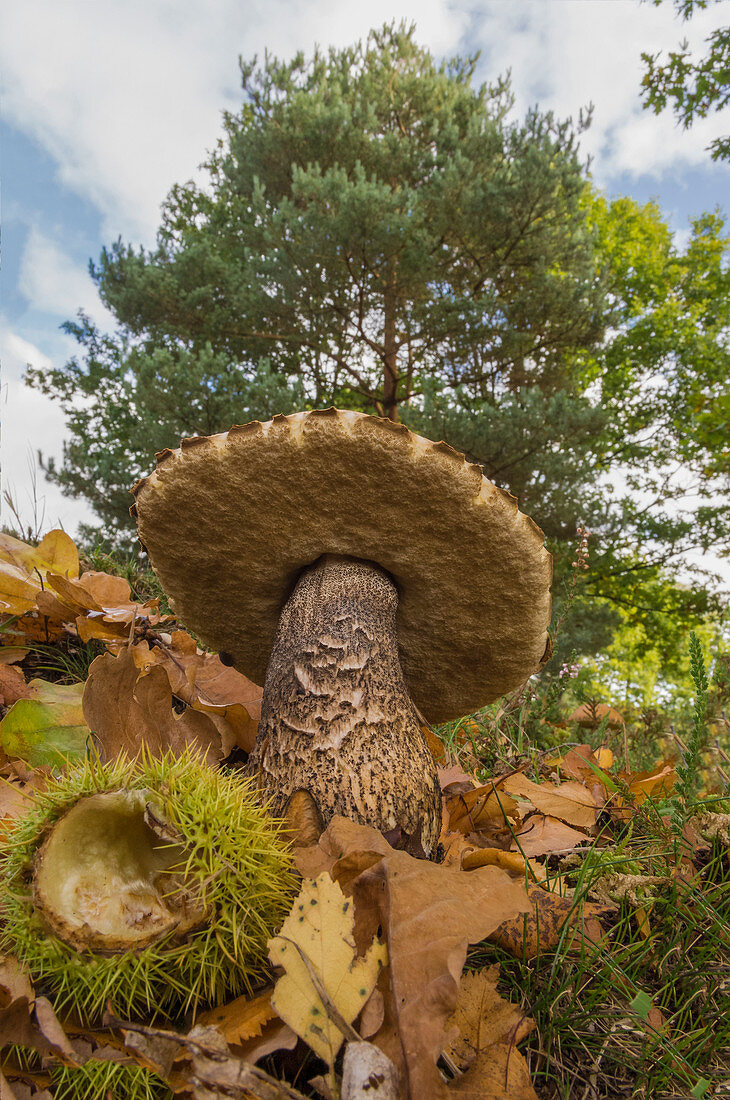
(499, 1073)
(429, 914)
(340, 838)
(241, 1019)
(471, 811)
(540, 930)
(206, 1056)
(275, 1035)
(203, 682)
(23, 1090)
(512, 862)
(29, 1021)
(484, 1018)
(576, 764)
(570, 801)
(14, 801)
(540, 835)
(100, 606)
(127, 710)
(435, 744)
(455, 780)
(12, 685)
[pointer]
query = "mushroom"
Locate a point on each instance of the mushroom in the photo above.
(370, 578)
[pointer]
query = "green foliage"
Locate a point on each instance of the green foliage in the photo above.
(109, 1080)
(370, 222)
(631, 1014)
(688, 768)
(376, 232)
(694, 88)
(237, 860)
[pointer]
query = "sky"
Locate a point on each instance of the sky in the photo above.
(105, 105)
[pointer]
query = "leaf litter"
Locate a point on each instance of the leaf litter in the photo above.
(377, 944)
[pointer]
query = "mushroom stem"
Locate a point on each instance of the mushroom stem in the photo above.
(336, 716)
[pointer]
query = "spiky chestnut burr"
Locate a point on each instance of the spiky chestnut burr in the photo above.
(176, 919)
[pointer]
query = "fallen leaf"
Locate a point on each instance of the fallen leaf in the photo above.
(435, 744)
(512, 862)
(541, 835)
(203, 682)
(12, 654)
(204, 1055)
(275, 1035)
(455, 777)
(47, 726)
(472, 810)
(12, 685)
(127, 710)
(499, 1073)
(341, 838)
(56, 552)
(570, 801)
(14, 802)
(316, 948)
(241, 1019)
(527, 936)
(29, 1021)
(656, 783)
(429, 914)
(484, 1018)
(24, 569)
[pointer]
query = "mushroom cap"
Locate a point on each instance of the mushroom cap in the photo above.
(229, 521)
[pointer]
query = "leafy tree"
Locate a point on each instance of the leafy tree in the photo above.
(693, 87)
(371, 223)
(375, 232)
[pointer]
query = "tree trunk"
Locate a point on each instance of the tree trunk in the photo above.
(336, 717)
(390, 353)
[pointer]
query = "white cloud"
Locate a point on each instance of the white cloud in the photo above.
(568, 53)
(29, 421)
(56, 284)
(128, 97)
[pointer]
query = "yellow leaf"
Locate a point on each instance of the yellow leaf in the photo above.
(316, 946)
(241, 1019)
(55, 553)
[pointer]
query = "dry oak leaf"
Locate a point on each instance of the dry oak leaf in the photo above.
(12, 684)
(46, 726)
(316, 948)
(29, 1021)
(100, 605)
(540, 930)
(541, 835)
(577, 762)
(486, 1048)
(499, 1073)
(203, 682)
(454, 780)
(429, 914)
(127, 710)
(656, 783)
(512, 862)
(341, 838)
(24, 1090)
(484, 1018)
(570, 801)
(482, 807)
(435, 744)
(24, 568)
(241, 1019)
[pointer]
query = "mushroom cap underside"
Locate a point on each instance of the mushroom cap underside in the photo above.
(230, 520)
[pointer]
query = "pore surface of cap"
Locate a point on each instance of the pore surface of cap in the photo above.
(229, 521)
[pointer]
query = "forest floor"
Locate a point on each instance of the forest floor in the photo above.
(572, 941)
